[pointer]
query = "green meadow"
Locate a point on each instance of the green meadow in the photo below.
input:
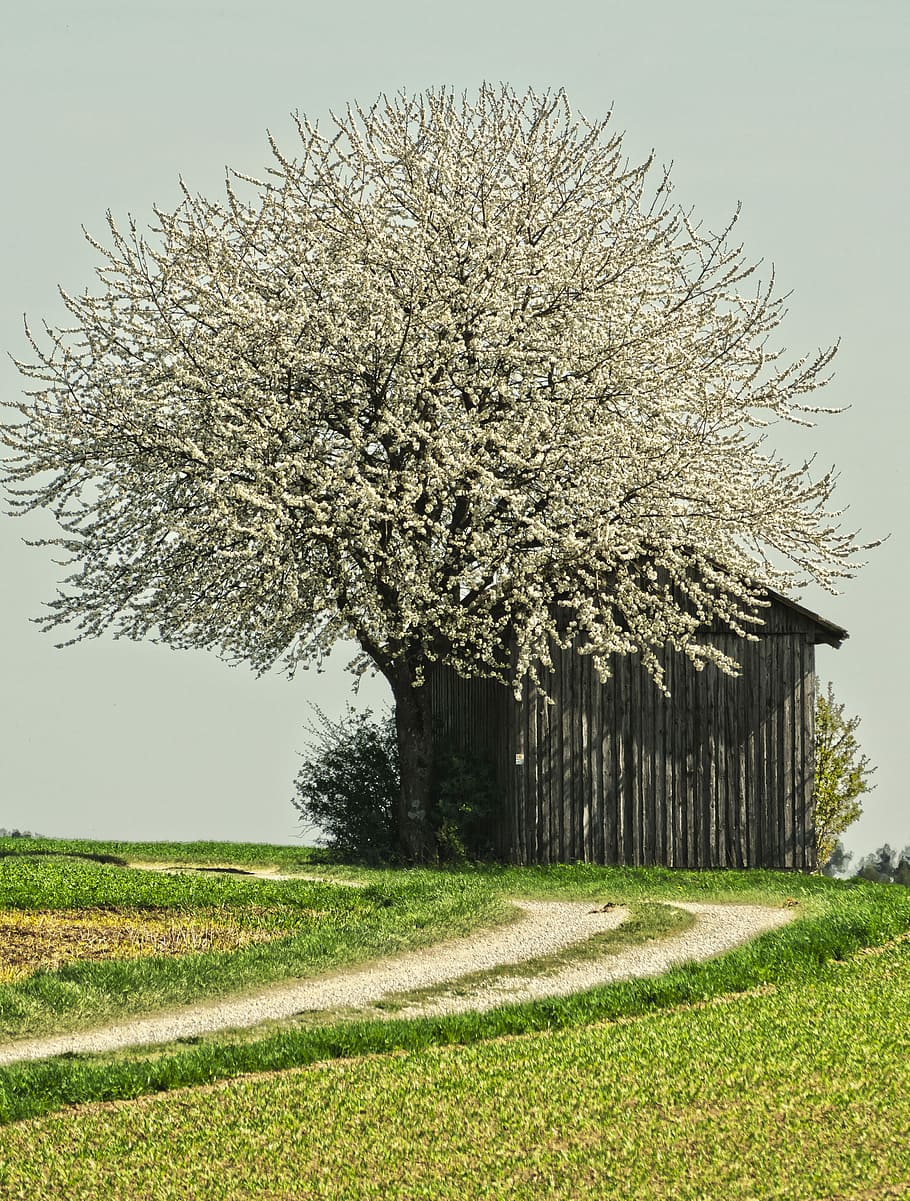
(778, 1070)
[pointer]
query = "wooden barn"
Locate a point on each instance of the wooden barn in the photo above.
(720, 774)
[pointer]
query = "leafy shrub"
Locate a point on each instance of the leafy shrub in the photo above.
(348, 789)
(348, 786)
(841, 772)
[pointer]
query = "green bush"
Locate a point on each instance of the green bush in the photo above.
(841, 772)
(348, 788)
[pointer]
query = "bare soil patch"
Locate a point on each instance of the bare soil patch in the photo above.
(32, 940)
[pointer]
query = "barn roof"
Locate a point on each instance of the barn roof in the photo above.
(824, 631)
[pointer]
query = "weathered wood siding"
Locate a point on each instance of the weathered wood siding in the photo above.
(720, 774)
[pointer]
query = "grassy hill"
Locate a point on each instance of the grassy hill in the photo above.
(777, 1070)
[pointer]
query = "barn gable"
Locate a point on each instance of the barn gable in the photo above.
(720, 774)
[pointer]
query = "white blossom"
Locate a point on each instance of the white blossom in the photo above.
(450, 370)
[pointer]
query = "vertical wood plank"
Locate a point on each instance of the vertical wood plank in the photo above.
(742, 754)
(612, 842)
(725, 809)
(554, 760)
(537, 849)
(512, 784)
(565, 839)
(777, 757)
(753, 757)
(678, 687)
(519, 777)
(587, 799)
(556, 757)
(673, 760)
(703, 836)
(761, 780)
(639, 758)
(648, 740)
(632, 725)
(598, 851)
(799, 820)
(787, 686)
(714, 838)
(730, 778)
(662, 781)
(767, 779)
(785, 820)
(543, 780)
(692, 765)
(621, 705)
(808, 719)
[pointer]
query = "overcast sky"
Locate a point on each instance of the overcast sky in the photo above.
(798, 110)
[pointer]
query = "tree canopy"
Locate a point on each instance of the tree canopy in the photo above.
(455, 365)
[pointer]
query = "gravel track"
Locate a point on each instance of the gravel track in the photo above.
(545, 927)
(717, 928)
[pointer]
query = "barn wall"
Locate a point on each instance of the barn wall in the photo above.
(718, 775)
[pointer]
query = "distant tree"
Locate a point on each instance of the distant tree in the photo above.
(841, 772)
(876, 866)
(838, 862)
(454, 372)
(902, 868)
(885, 866)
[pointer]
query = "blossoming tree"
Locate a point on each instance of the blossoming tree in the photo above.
(455, 364)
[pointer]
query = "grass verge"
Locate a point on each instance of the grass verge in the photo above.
(799, 1089)
(291, 928)
(835, 920)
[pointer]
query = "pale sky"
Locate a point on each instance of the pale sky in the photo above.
(798, 110)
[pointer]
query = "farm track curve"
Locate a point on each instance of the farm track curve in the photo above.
(544, 928)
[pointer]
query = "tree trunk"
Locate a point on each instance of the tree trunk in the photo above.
(414, 727)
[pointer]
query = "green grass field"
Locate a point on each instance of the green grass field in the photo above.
(780, 1070)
